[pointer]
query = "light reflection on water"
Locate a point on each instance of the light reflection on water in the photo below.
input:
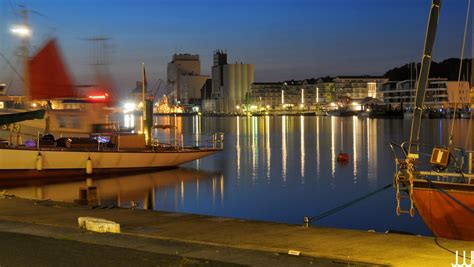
(273, 168)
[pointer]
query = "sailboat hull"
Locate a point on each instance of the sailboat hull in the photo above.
(23, 163)
(444, 216)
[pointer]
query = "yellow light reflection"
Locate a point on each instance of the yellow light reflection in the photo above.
(333, 146)
(214, 186)
(254, 148)
(268, 149)
(237, 146)
(318, 149)
(371, 151)
(302, 151)
(39, 193)
(182, 193)
(283, 148)
(354, 138)
(196, 129)
(222, 189)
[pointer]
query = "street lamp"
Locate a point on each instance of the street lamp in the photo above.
(21, 30)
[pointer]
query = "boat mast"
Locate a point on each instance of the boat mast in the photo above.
(424, 73)
(25, 53)
(145, 122)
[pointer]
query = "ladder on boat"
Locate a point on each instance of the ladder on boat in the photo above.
(403, 182)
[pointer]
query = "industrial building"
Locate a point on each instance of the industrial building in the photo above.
(230, 84)
(184, 79)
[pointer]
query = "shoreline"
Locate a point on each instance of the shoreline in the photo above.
(198, 230)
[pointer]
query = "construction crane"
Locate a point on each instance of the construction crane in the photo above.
(160, 87)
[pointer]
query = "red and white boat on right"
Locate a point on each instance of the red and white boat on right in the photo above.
(436, 180)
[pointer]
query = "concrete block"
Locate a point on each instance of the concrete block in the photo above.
(98, 225)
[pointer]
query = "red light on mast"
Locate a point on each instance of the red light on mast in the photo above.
(98, 97)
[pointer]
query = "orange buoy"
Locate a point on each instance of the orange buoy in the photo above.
(343, 157)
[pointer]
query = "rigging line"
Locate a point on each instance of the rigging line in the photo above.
(466, 25)
(14, 69)
(469, 128)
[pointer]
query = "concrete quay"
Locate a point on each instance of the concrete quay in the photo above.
(268, 243)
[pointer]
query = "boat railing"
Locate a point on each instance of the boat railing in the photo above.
(14, 137)
(204, 141)
(460, 165)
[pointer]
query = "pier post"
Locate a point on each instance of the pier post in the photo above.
(306, 221)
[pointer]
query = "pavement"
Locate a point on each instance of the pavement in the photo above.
(219, 241)
(29, 250)
(44, 245)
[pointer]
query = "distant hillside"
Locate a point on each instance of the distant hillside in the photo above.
(448, 68)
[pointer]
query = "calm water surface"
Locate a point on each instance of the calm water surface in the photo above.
(272, 169)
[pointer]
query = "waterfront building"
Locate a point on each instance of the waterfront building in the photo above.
(184, 79)
(266, 94)
(306, 94)
(230, 83)
(327, 89)
(358, 87)
(439, 93)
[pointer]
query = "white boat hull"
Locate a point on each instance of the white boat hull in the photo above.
(13, 161)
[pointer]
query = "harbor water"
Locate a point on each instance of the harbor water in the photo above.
(273, 168)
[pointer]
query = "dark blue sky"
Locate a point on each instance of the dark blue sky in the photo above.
(284, 38)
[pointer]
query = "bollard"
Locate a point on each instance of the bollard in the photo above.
(306, 221)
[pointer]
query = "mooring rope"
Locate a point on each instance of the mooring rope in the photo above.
(348, 204)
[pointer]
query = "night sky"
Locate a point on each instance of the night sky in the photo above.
(285, 39)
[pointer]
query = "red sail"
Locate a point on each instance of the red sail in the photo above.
(48, 76)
